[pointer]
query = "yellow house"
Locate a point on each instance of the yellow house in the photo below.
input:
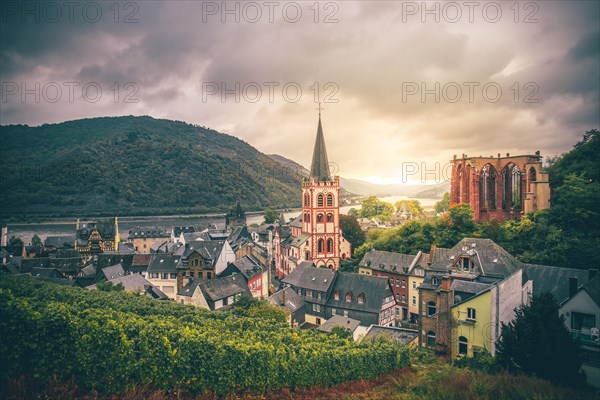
(413, 295)
(473, 323)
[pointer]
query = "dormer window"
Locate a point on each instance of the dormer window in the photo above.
(348, 297)
(434, 281)
(336, 296)
(361, 299)
(466, 264)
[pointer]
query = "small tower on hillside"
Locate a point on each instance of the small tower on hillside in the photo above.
(235, 217)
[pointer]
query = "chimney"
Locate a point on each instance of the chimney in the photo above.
(592, 273)
(446, 283)
(572, 286)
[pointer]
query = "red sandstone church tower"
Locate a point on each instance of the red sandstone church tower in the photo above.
(315, 235)
(321, 210)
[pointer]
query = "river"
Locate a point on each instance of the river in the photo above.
(66, 226)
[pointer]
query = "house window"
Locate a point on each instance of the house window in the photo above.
(431, 308)
(191, 274)
(348, 297)
(153, 275)
(345, 313)
(329, 200)
(173, 275)
(319, 296)
(361, 299)
(165, 275)
(309, 293)
(397, 311)
(403, 283)
(465, 262)
(403, 299)
(431, 339)
(316, 307)
(414, 285)
(209, 275)
(581, 321)
(434, 281)
(333, 311)
(471, 313)
(414, 300)
(463, 345)
(336, 296)
(306, 200)
(320, 200)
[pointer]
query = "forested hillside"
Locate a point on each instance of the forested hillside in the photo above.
(138, 165)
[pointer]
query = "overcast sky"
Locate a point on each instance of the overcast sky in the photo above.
(371, 62)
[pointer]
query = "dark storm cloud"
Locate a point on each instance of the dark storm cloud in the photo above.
(370, 54)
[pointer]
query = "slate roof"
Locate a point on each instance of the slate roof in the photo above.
(141, 260)
(284, 231)
(107, 260)
(46, 273)
(592, 287)
(374, 289)
(217, 289)
(349, 324)
(62, 264)
(209, 250)
(178, 230)
(190, 237)
(112, 272)
(299, 241)
(164, 263)
(312, 278)
(553, 280)
(387, 261)
(319, 168)
(189, 289)
(148, 232)
(490, 257)
(238, 234)
(297, 222)
(293, 301)
(402, 336)
(469, 287)
(249, 266)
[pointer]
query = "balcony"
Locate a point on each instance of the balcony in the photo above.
(585, 337)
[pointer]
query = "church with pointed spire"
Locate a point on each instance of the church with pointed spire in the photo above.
(315, 235)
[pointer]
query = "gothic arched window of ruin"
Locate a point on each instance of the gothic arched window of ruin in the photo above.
(516, 188)
(487, 188)
(532, 177)
(507, 187)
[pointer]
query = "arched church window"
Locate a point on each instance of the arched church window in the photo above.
(320, 245)
(306, 200)
(319, 217)
(320, 200)
(329, 217)
(532, 177)
(306, 217)
(329, 245)
(516, 188)
(329, 200)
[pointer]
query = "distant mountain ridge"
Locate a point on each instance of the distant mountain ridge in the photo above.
(134, 165)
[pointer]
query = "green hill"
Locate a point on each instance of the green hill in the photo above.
(134, 165)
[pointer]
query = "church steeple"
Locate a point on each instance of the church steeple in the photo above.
(319, 168)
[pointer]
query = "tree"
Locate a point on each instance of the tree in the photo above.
(108, 286)
(456, 224)
(15, 241)
(270, 216)
(351, 231)
(373, 207)
(341, 332)
(36, 240)
(442, 205)
(538, 343)
(414, 207)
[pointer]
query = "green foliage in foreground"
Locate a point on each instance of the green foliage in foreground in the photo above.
(111, 342)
